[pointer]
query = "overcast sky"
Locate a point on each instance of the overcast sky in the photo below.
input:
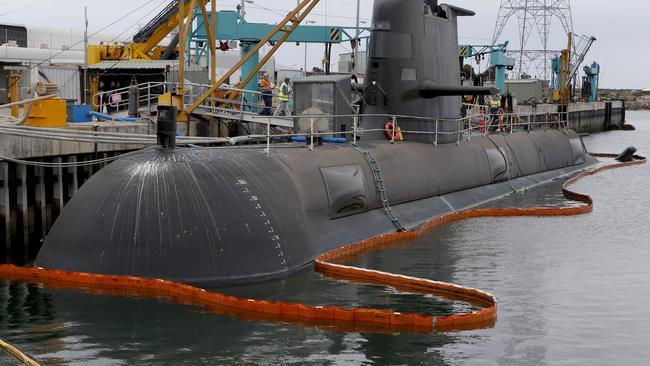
(621, 28)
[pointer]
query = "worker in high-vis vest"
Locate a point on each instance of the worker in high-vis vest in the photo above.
(266, 89)
(283, 99)
(495, 107)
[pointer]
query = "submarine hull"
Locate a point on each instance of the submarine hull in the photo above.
(228, 214)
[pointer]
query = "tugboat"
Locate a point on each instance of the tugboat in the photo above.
(238, 213)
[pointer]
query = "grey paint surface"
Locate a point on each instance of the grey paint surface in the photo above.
(230, 214)
(411, 46)
(235, 213)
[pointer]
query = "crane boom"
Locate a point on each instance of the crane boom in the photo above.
(157, 29)
(145, 42)
(164, 16)
(287, 26)
(580, 57)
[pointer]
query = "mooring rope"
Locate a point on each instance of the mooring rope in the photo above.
(17, 354)
(74, 164)
(330, 264)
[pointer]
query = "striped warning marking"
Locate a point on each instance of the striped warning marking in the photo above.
(464, 51)
(335, 34)
(330, 264)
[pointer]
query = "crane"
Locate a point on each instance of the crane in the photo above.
(590, 82)
(566, 66)
(145, 45)
(282, 31)
(232, 26)
(213, 26)
(498, 59)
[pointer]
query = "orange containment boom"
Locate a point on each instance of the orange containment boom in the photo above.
(330, 264)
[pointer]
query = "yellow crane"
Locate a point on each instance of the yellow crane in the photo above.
(285, 27)
(567, 65)
(564, 92)
(179, 14)
(145, 45)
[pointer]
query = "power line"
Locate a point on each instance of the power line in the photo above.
(147, 14)
(93, 34)
(23, 8)
(533, 15)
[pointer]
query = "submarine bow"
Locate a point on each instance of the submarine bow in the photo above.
(190, 216)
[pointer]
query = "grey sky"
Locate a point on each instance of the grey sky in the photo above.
(621, 29)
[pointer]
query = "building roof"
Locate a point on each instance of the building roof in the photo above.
(133, 64)
(332, 78)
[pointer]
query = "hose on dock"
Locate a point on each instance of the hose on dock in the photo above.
(108, 117)
(331, 264)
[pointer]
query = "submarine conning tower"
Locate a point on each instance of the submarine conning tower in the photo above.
(413, 50)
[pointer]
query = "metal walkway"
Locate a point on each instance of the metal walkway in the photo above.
(243, 116)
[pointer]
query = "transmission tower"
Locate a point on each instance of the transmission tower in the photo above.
(533, 16)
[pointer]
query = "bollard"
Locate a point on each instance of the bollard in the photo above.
(166, 127)
(133, 100)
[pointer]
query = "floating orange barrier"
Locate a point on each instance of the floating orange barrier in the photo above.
(329, 264)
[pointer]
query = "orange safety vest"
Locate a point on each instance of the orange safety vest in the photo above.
(265, 84)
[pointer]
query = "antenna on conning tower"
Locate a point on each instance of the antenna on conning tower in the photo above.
(533, 15)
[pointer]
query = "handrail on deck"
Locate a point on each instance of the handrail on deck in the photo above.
(478, 121)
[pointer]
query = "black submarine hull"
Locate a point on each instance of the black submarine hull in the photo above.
(228, 214)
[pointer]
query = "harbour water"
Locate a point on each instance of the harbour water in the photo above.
(571, 291)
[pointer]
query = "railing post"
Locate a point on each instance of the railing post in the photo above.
(512, 122)
(546, 121)
(394, 121)
(435, 141)
(268, 136)
(487, 123)
(241, 106)
(311, 133)
(149, 98)
(355, 123)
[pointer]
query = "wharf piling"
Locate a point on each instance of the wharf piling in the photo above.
(31, 198)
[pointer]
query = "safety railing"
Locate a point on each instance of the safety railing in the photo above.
(467, 127)
(246, 102)
(479, 119)
(117, 100)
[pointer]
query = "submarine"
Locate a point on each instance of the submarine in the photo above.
(206, 214)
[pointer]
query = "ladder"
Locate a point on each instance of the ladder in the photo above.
(381, 189)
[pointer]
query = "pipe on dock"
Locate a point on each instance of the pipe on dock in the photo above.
(335, 140)
(112, 118)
